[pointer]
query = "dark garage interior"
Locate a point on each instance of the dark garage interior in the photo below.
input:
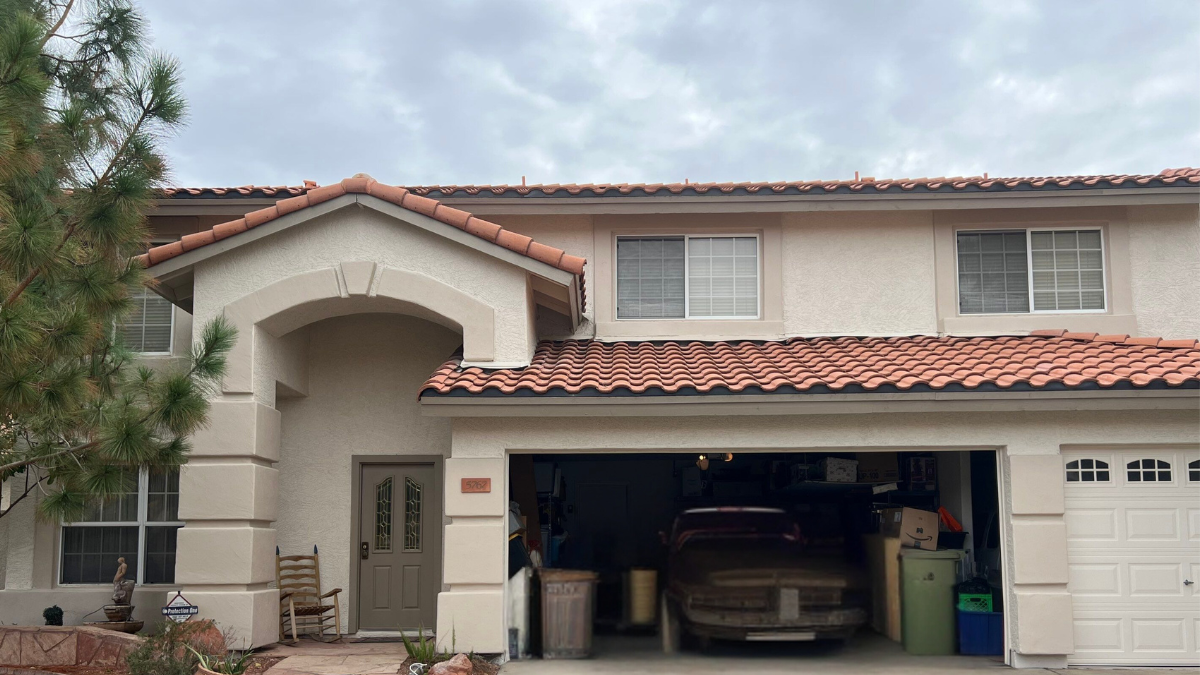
(612, 515)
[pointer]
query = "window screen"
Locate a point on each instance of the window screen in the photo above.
(723, 276)
(650, 278)
(993, 275)
(148, 327)
(1068, 270)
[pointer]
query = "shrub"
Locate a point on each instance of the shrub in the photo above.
(165, 652)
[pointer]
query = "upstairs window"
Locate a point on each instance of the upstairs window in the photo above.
(1149, 471)
(1087, 471)
(1019, 271)
(687, 277)
(147, 329)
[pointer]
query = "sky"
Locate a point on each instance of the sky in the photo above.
(460, 92)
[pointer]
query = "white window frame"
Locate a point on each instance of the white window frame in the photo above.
(1029, 268)
(141, 523)
(1108, 463)
(687, 295)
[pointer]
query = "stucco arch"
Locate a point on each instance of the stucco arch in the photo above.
(350, 288)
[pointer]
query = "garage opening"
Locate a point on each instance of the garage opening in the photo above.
(866, 556)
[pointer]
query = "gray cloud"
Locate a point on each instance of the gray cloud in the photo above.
(656, 91)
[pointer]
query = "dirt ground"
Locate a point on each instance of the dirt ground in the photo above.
(479, 665)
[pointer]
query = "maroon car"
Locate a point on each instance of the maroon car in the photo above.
(746, 573)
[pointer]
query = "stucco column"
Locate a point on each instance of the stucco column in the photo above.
(470, 610)
(1042, 633)
(228, 498)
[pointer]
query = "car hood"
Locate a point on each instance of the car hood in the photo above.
(749, 568)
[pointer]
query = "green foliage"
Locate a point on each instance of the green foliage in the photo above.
(83, 104)
(425, 650)
(53, 615)
(229, 663)
(165, 652)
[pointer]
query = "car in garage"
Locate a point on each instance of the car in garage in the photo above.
(748, 573)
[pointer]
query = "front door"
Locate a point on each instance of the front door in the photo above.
(399, 546)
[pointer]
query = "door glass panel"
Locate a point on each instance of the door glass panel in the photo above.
(412, 515)
(383, 516)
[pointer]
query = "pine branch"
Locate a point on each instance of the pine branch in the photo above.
(61, 20)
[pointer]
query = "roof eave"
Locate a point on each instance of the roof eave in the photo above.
(490, 204)
(810, 404)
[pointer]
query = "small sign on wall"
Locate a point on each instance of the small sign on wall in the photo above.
(179, 609)
(476, 485)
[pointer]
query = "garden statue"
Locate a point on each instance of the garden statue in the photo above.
(122, 587)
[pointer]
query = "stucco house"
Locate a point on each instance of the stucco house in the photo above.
(1037, 333)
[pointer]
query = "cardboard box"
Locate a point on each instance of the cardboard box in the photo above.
(838, 470)
(922, 473)
(914, 527)
(878, 467)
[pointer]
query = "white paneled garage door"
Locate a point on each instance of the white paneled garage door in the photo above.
(1133, 544)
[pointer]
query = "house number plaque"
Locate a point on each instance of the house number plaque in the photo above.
(477, 485)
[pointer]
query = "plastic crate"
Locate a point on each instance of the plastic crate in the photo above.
(969, 602)
(981, 633)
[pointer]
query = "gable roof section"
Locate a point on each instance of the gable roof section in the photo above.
(363, 184)
(1182, 177)
(1042, 361)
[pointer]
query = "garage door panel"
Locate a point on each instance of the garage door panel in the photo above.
(1157, 524)
(1130, 546)
(1099, 636)
(1155, 579)
(1095, 579)
(1159, 635)
(1092, 525)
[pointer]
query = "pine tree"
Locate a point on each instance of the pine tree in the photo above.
(83, 106)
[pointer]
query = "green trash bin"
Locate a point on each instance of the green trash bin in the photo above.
(927, 580)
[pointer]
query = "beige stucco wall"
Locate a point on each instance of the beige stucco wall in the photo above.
(893, 272)
(1039, 604)
(858, 273)
(361, 234)
(351, 261)
(1164, 250)
(363, 375)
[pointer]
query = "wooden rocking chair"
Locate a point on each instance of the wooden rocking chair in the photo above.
(301, 603)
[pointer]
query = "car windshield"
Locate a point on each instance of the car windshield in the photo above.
(734, 524)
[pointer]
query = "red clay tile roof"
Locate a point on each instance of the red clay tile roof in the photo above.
(1045, 360)
(1182, 177)
(363, 184)
(242, 191)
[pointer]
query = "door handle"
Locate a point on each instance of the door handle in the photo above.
(364, 550)
(1188, 582)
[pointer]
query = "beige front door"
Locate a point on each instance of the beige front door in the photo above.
(399, 546)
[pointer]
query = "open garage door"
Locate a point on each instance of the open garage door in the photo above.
(1133, 546)
(794, 555)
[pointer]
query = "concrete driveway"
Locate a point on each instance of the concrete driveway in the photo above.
(866, 654)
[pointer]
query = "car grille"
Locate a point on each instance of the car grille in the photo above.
(753, 601)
